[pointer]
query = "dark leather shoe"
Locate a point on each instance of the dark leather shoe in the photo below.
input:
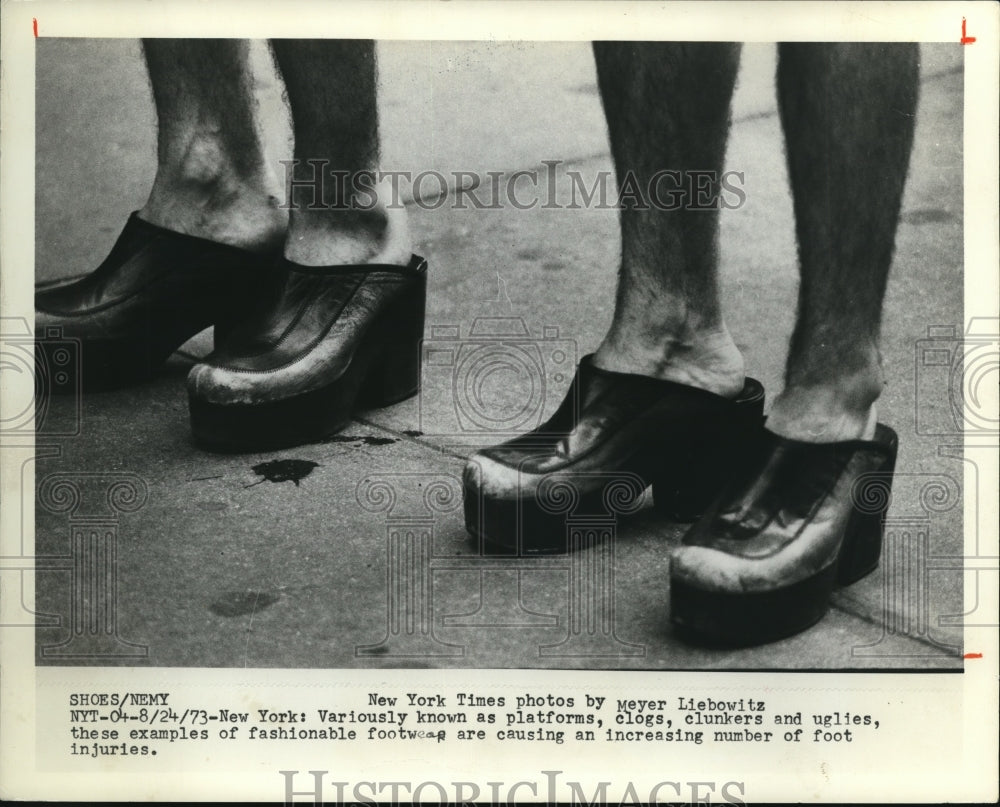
(613, 435)
(155, 290)
(338, 339)
(798, 519)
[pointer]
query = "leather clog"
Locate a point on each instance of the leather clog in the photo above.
(156, 289)
(336, 340)
(798, 519)
(613, 435)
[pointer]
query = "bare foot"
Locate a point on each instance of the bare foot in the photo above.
(823, 415)
(339, 237)
(707, 360)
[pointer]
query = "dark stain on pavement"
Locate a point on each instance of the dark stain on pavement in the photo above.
(529, 254)
(413, 433)
(283, 471)
(371, 440)
(927, 215)
(238, 603)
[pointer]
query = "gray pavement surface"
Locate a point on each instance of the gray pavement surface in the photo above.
(221, 567)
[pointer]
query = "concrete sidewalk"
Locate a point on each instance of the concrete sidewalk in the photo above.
(222, 567)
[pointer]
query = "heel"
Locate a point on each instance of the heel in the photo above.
(394, 371)
(862, 547)
(690, 476)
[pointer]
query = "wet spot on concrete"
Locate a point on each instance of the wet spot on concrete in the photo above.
(529, 254)
(413, 433)
(927, 215)
(371, 440)
(553, 266)
(238, 603)
(283, 471)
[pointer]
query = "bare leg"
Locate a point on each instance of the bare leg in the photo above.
(211, 178)
(332, 93)
(667, 107)
(848, 114)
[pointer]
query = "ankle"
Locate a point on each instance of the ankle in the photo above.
(821, 415)
(707, 359)
(200, 191)
(826, 404)
(337, 236)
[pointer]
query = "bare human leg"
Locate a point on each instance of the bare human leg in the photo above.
(848, 113)
(806, 511)
(212, 179)
(344, 331)
(331, 87)
(667, 108)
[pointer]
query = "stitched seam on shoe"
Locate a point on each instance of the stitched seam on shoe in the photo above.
(806, 521)
(316, 341)
(606, 393)
(284, 334)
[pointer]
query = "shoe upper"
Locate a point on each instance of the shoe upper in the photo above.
(153, 278)
(608, 421)
(784, 515)
(307, 337)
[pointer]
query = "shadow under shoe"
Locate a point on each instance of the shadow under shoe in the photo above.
(338, 339)
(798, 519)
(156, 289)
(613, 435)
